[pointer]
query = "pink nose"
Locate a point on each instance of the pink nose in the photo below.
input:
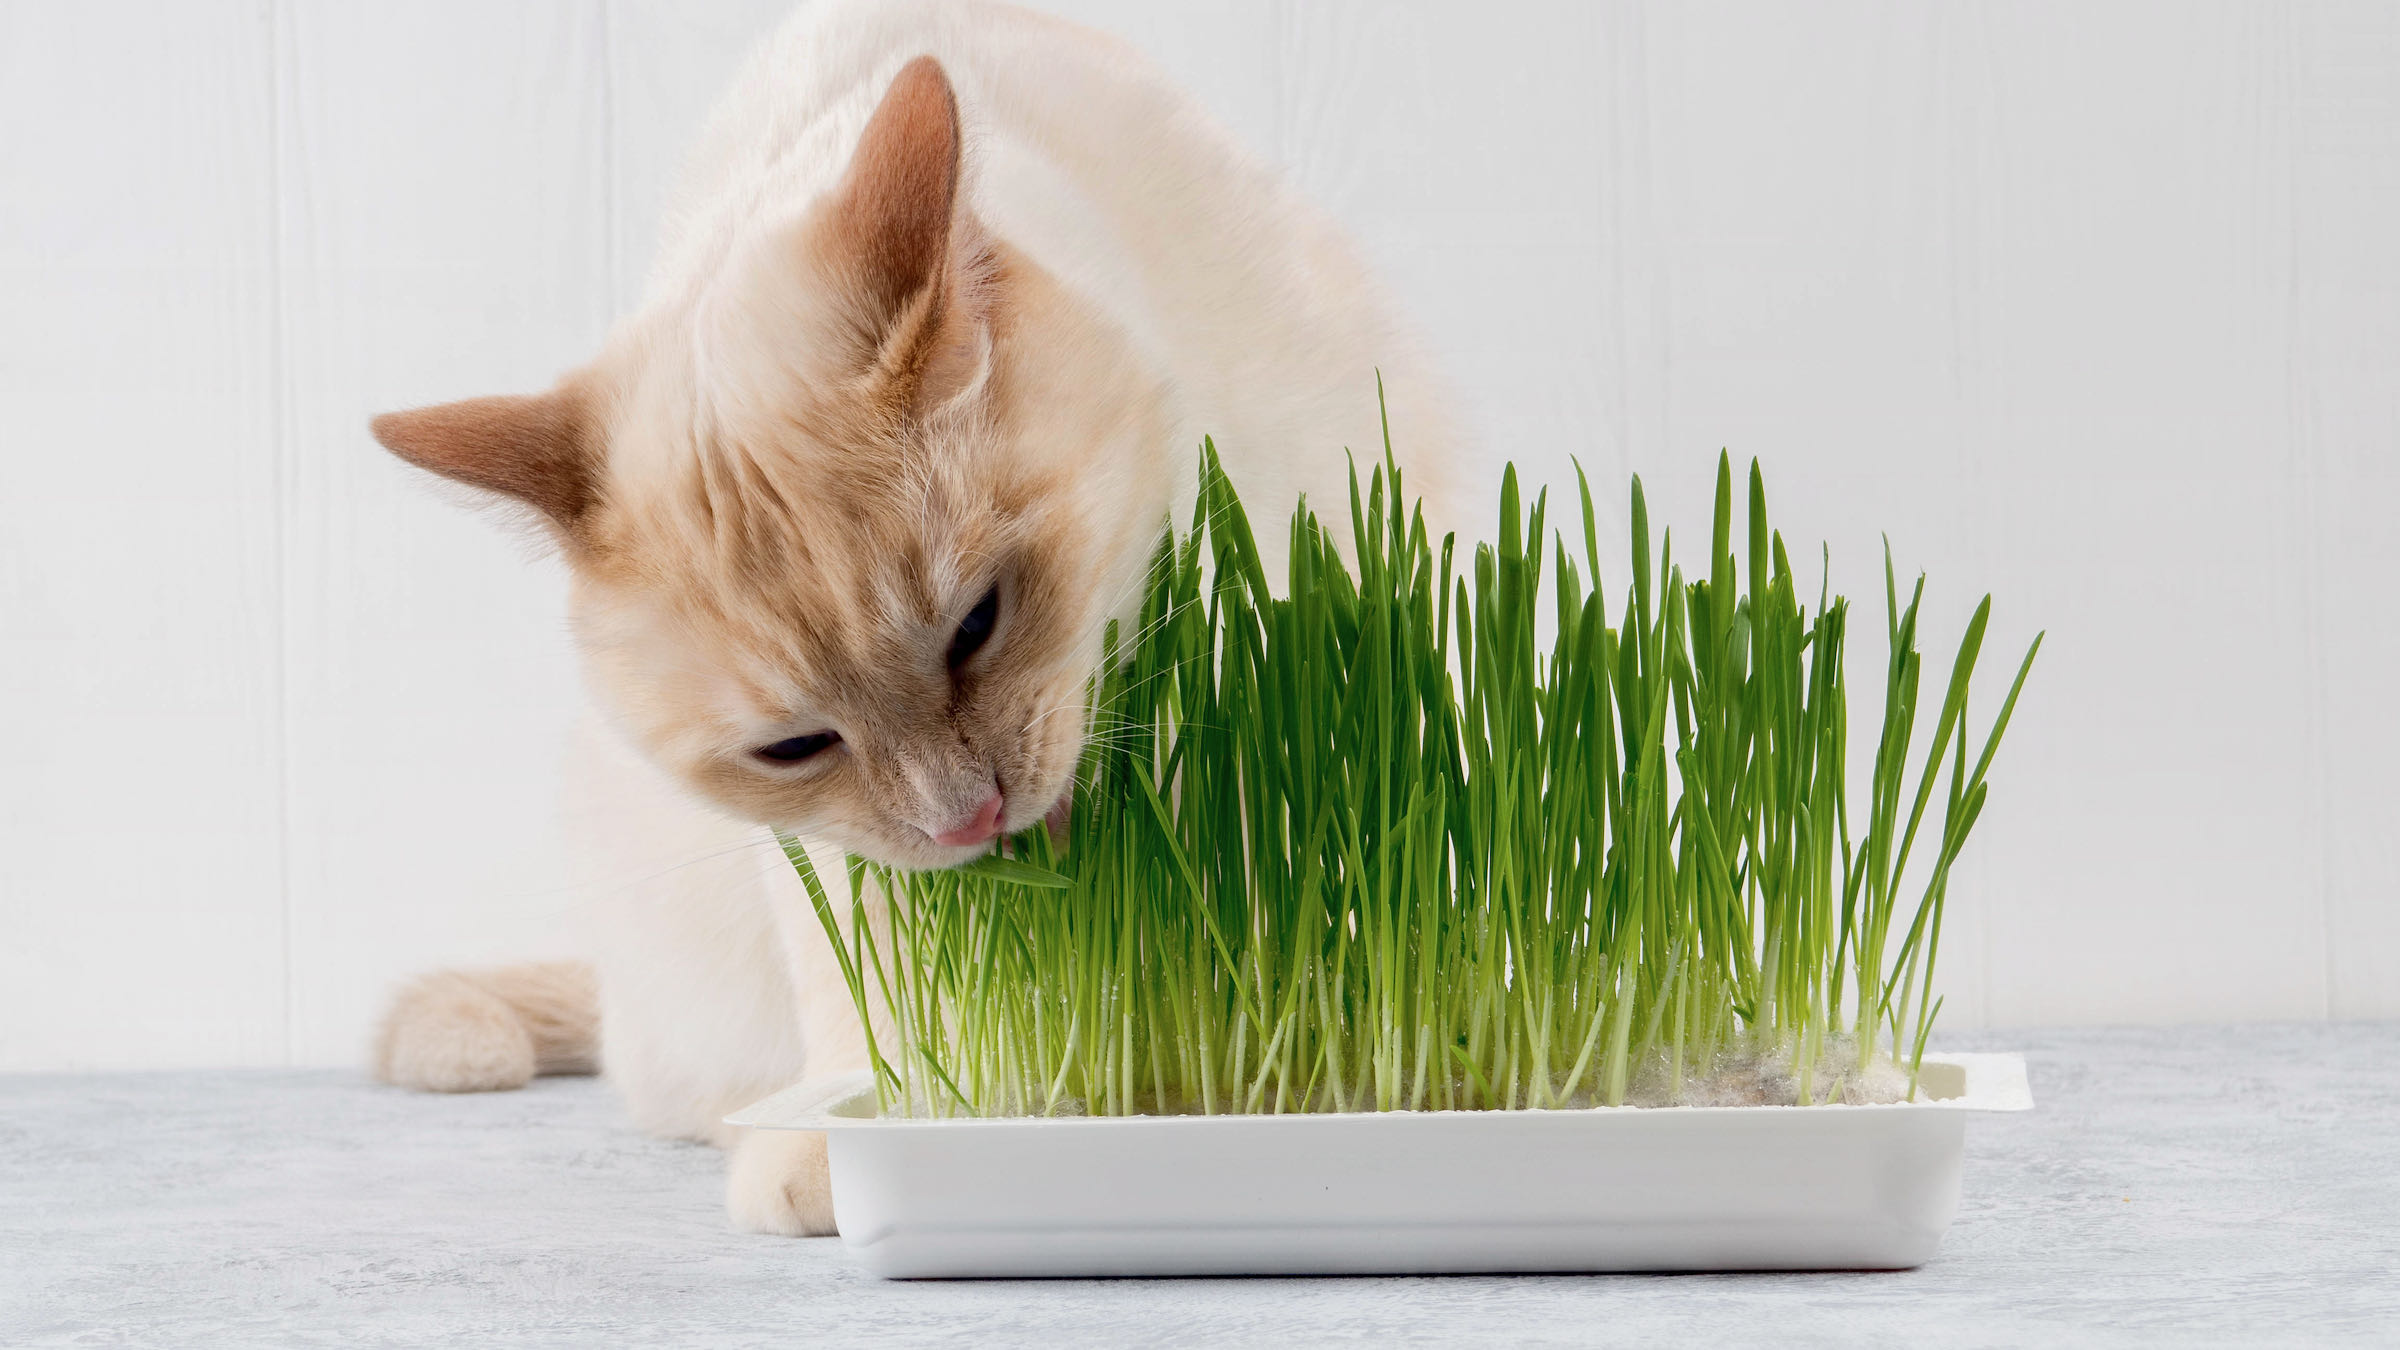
(983, 825)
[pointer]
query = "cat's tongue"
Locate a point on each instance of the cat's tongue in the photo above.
(1056, 817)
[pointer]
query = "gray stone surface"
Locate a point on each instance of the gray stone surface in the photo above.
(2235, 1186)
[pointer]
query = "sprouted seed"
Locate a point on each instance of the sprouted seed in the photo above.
(1379, 839)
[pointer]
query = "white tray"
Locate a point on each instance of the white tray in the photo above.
(1682, 1188)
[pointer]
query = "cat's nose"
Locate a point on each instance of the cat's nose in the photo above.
(983, 825)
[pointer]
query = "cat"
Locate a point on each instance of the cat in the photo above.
(953, 293)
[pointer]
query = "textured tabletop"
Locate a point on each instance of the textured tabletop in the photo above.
(2235, 1186)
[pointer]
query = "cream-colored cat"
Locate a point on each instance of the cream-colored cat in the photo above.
(953, 293)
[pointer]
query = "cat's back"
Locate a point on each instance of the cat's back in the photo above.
(1039, 95)
(1092, 161)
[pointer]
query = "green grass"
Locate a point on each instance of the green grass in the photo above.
(1381, 838)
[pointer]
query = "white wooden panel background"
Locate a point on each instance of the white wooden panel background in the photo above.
(2096, 306)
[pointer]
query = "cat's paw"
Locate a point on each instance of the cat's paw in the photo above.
(447, 1033)
(777, 1183)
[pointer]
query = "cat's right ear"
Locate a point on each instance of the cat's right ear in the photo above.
(894, 219)
(537, 449)
(896, 229)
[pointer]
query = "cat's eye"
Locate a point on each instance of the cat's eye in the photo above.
(975, 629)
(798, 747)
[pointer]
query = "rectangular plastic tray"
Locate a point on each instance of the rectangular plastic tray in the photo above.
(1606, 1189)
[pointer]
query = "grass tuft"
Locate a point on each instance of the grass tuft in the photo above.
(1394, 836)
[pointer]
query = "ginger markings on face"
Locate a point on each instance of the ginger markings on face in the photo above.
(786, 498)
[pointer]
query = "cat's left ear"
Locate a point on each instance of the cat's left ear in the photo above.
(899, 234)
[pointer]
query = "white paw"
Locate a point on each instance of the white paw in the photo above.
(445, 1033)
(777, 1183)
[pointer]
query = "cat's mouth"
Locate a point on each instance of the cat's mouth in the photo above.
(952, 854)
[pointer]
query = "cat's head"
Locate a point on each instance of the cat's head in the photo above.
(848, 519)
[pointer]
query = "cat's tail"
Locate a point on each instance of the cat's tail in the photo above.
(490, 1030)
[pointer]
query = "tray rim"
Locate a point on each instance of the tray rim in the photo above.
(1995, 1083)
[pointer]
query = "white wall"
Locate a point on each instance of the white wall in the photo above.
(2095, 306)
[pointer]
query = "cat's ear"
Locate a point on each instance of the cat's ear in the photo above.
(535, 448)
(899, 231)
(897, 206)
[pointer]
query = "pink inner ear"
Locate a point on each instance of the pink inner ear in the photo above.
(899, 201)
(532, 447)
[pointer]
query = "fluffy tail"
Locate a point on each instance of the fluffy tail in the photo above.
(488, 1030)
